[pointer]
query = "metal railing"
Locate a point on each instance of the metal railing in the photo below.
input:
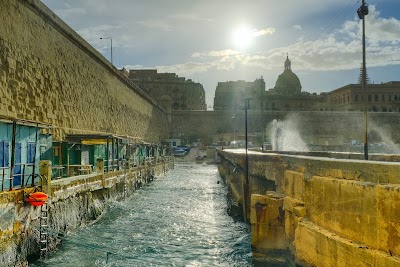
(26, 178)
(58, 172)
(21, 179)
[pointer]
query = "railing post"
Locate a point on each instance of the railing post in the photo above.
(13, 143)
(46, 173)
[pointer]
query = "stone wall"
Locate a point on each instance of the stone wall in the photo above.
(48, 73)
(336, 212)
(325, 129)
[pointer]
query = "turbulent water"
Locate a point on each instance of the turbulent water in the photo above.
(180, 219)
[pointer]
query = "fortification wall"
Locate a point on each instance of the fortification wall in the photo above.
(325, 212)
(315, 128)
(48, 73)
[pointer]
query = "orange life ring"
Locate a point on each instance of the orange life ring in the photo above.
(37, 199)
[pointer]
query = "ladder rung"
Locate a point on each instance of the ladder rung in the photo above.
(43, 217)
(44, 225)
(43, 233)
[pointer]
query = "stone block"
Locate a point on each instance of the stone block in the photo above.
(293, 184)
(12, 64)
(299, 211)
(289, 203)
(316, 246)
(345, 207)
(266, 210)
(268, 237)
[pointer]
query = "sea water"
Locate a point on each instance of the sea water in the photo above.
(180, 219)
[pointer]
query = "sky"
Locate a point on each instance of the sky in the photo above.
(211, 41)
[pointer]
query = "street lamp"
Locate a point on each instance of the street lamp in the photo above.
(362, 12)
(262, 87)
(246, 198)
(102, 38)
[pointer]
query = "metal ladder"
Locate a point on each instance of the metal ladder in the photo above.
(43, 230)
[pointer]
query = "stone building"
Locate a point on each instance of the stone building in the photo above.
(287, 83)
(384, 97)
(230, 95)
(169, 90)
(287, 94)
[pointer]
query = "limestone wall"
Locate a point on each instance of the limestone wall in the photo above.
(319, 130)
(48, 73)
(337, 212)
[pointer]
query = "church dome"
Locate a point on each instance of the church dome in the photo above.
(288, 83)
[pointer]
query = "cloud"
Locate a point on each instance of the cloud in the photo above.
(340, 50)
(193, 17)
(220, 53)
(187, 69)
(70, 12)
(135, 67)
(155, 24)
(263, 32)
(297, 27)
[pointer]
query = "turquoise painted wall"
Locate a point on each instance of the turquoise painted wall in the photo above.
(26, 137)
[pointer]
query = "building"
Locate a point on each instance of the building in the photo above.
(384, 97)
(285, 96)
(230, 95)
(287, 83)
(169, 90)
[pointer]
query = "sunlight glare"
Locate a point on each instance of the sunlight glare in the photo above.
(243, 37)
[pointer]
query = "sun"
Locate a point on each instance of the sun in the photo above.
(242, 37)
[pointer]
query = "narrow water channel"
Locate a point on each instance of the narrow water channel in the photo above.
(180, 219)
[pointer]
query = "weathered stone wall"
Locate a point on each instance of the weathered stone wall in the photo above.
(336, 212)
(73, 202)
(48, 73)
(315, 128)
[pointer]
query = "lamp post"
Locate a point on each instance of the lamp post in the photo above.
(102, 38)
(262, 87)
(246, 198)
(362, 12)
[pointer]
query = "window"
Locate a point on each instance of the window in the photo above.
(369, 97)
(356, 98)
(376, 98)
(383, 97)
(390, 97)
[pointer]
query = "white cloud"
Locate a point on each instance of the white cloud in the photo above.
(71, 12)
(263, 31)
(340, 50)
(193, 17)
(221, 53)
(297, 27)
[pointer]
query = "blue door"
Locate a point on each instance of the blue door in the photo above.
(5, 162)
(31, 153)
(17, 165)
(4, 154)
